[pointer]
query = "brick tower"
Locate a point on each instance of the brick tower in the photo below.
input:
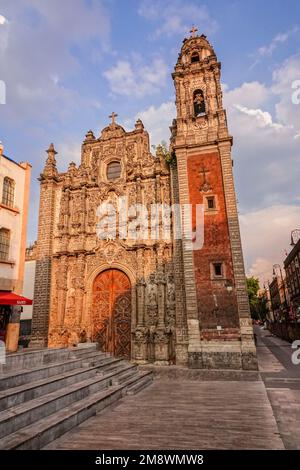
(219, 327)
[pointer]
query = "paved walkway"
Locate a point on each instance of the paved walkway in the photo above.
(282, 382)
(186, 414)
(182, 415)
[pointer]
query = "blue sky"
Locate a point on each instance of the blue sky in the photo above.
(67, 65)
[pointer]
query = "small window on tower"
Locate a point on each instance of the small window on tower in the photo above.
(113, 171)
(218, 272)
(211, 203)
(194, 57)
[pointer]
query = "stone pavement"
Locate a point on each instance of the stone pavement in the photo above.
(182, 414)
(282, 382)
(205, 414)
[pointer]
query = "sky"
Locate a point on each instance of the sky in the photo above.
(68, 64)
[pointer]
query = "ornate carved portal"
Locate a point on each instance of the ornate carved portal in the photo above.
(112, 312)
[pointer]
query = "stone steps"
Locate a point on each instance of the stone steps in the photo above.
(26, 413)
(41, 433)
(39, 405)
(33, 358)
(21, 377)
(31, 390)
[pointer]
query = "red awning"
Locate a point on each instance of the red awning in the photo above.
(9, 298)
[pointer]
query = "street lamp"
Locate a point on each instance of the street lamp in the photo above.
(277, 266)
(271, 302)
(295, 235)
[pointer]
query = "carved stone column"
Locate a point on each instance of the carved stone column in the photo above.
(161, 343)
(161, 299)
(140, 288)
(80, 291)
(140, 342)
(61, 280)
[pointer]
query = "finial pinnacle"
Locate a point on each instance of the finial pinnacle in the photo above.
(51, 149)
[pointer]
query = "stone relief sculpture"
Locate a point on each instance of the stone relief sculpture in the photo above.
(79, 251)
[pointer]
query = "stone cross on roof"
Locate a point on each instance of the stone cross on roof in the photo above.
(112, 117)
(193, 31)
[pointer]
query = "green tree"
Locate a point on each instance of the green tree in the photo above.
(258, 302)
(253, 288)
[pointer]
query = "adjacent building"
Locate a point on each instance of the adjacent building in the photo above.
(292, 269)
(28, 291)
(279, 299)
(14, 200)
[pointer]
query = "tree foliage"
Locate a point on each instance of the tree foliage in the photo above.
(162, 150)
(258, 302)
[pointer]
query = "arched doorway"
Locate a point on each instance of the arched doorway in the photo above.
(112, 312)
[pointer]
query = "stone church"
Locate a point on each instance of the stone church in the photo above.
(151, 300)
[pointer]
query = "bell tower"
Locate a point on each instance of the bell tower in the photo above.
(219, 327)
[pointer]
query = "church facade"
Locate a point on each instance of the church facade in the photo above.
(152, 299)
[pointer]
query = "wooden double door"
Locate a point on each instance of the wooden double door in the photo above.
(112, 312)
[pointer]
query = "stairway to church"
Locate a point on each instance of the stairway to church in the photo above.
(45, 393)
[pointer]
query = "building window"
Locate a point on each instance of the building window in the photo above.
(211, 203)
(194, 57)
(218, 269)
(8, 194)
(4, 244)
(113, 171)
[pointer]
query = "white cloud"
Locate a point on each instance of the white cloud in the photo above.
(266, 237)
(283, 79)
(176, 17)
(37, 46)
(250, 94)
(265, 150)
(263, 118)
(68, 151)
(268, 49)
(280, 38)
(265, 126)
(3, 20)
(137, 79)
(157, 121)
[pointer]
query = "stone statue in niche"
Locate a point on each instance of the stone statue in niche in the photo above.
(170, 290)
(91, 216)
(199, 103)
(64, 210)
(152, 291)
(70, 307)
(151, 300)
(171, 315)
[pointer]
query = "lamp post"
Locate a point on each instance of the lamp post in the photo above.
(295, 235)
(277, 266)
(270, 298)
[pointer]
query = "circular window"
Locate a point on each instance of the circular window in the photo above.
(113, 171)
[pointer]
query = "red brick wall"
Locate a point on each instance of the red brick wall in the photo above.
(216, 248)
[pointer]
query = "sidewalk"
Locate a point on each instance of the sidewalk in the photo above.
(282, 382)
